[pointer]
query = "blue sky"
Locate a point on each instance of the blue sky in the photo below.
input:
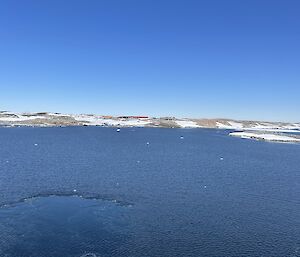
(187, 58)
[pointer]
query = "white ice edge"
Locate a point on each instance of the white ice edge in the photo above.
(264, 136)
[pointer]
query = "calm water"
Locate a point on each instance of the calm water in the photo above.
(90, 191)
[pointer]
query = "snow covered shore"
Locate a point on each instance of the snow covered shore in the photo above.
(187, 124)
(47, 119)
(266, 136)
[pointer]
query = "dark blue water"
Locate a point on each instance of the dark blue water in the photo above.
(90, 191)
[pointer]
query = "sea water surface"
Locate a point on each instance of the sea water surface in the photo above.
(94, 192)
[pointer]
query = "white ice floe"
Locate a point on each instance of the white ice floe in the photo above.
(187, 124)
(265, 136)
(278, 129)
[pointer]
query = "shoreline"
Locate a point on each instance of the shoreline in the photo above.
(264, 136)
(257, 130)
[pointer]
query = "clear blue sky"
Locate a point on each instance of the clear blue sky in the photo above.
(187, 58)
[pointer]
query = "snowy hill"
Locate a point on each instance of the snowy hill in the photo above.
(59, 119)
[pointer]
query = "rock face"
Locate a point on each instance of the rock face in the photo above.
(57, 119)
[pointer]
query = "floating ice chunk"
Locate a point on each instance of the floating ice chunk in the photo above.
(118, 130)
(147, 143)
(221, 158)
(181, 137)
(35, 144)
(74, 190)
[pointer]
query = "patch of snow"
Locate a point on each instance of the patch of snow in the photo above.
(274, 129)
(91, 120)
(268, 127)
(21, 118)
(135, 122)
(187, 124)
(230, 125)
(264, 136)
(236, 125)
(99, 120)
(58, 114)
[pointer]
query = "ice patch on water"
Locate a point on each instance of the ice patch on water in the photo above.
(87, 196)
(89, 255)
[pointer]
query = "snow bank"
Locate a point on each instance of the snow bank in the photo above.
(187, 124)
(265, 136)
(285, 129)
(230, 125)
(267, 127)
(20, 118)
(99, 120)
